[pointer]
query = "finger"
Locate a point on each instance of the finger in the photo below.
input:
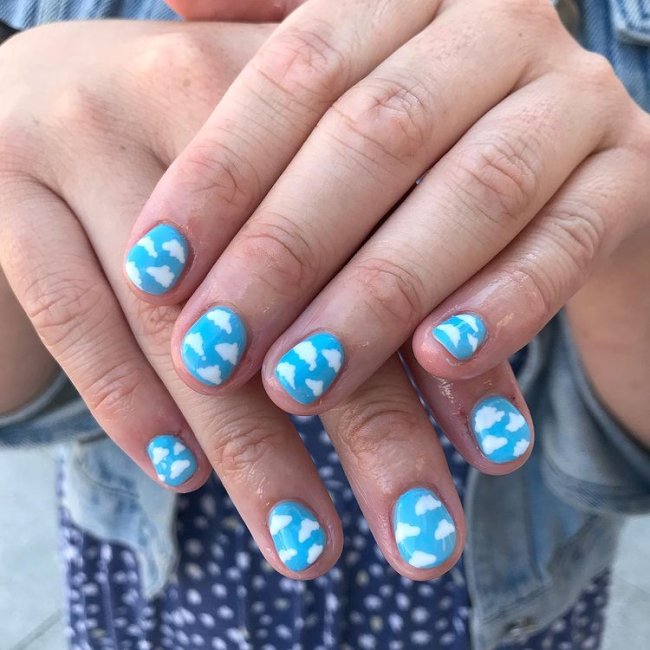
(75, 314)
(475, 200)
(399, 474)
(526, 285)
(382, 134)
(247, 440)
(254, 132)
(486, 417)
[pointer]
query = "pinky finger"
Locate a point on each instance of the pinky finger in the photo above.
(503, 306)
(485, 418)
(58, 282)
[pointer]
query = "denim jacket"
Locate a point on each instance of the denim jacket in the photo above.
(535, 537)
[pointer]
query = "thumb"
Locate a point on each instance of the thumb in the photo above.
(244, 10)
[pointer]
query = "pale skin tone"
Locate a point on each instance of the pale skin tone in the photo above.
(375, 414)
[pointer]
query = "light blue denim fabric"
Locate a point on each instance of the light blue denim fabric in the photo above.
(536, 537)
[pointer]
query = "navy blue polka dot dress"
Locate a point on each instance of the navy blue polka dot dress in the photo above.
(224, 595)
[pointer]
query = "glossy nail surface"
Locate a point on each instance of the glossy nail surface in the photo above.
(173, 461)
(307, 370)
(156, 262)
(501, 430)
(213, 346)
(424, 530)
(298, 536)
(461, 335)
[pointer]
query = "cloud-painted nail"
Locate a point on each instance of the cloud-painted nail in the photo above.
(213, 346)
(156, 262)
(461, 335)
(424, 530)
(173, 461)
(298, 536)
(309, 368)
(501, 431)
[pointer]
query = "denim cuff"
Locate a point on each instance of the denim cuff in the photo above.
(589, 459)
(58, 414)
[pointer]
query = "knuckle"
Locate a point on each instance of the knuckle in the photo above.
(112, 394)
(153, 324)
(391, 291)
(538, 284)
(289, 261)
(376, 420)
(59, 307)
(210, 167)
(237, 445)
(305, 66)
(596, 73)
(385, 119)
(186, 53)
(85, 106)
(578, 231)
(498, 178)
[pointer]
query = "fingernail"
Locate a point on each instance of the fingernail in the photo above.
(461, 335)
(307, 370)
(424, 530)
(501, 430)
(173, 461)
(156, 262)
(213, 346)
(298, 536)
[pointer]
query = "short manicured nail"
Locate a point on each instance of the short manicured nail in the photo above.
(424, 530)
(173, 461)
(461, 335)
(156, 262)
(214, 345)
(309, 368)
(501, 431)
(298, 536)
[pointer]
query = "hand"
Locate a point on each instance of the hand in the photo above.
(81, 146)
(328, 127)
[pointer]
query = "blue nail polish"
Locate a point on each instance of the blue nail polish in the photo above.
(501, 430)
(214, 345)
(309, 368)
(298, 536)
(156, 262)
(424, 530)
(173, 461)
(461, 335)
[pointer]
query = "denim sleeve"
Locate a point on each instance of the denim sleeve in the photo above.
(589, 459)
(58, 414)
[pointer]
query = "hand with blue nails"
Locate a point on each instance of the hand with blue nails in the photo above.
(353, 103)
(60, 249)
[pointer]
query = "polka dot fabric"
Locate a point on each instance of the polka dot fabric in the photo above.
(224, 596)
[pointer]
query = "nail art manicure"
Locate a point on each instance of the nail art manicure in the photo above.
(307, 370)
(214, 345)
(501, 430)
(461, 335)
(298, 536)
(156, 262)
(173, 461)
(424, 530)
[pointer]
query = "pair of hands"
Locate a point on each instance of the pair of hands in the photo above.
(318, 133)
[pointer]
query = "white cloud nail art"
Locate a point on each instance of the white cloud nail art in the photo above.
(175, 249)
(161, 274)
